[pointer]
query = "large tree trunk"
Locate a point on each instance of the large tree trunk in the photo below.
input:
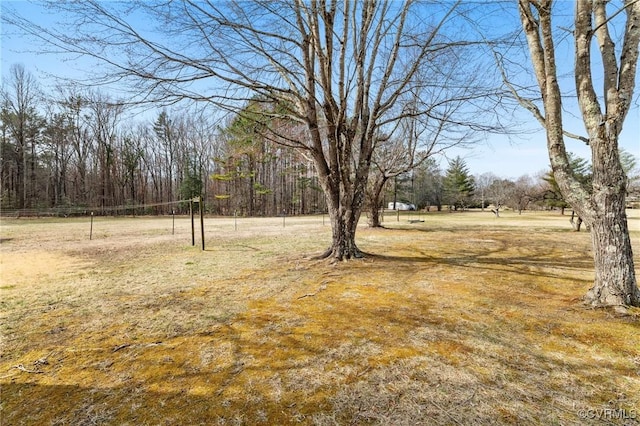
(602, 205)
(345, 201)
(374, 201)
(373, 219)
(343, 233)
(615, 281)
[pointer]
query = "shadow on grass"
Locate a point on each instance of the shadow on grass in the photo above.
(367, 344)
(501, 256)
(391, 359)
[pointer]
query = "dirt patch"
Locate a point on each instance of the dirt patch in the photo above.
(36, 268)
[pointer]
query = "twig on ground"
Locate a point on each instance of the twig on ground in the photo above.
(445, 412)
(22, 368)
(307, 295)
(119, 347)
(322, 287)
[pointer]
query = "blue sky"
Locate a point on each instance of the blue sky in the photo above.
(511, 156)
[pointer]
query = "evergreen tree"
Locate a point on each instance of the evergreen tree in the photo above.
(458, 184)
(429, 185)
(582, 171)
(192, 184)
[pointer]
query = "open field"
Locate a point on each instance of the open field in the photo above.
(460, 319)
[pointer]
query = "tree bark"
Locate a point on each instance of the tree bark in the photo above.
(576, 224)
(602, 205)
(374, 201)
(344, 206)
(374, 217)
(615, 280)
(343, 237)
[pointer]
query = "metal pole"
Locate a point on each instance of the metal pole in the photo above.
(202, 221)
(173, 225)
(193, 230)
(91, 229)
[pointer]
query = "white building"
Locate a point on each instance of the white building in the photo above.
(401, 206)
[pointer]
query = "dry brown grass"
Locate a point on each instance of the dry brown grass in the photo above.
(461, 319)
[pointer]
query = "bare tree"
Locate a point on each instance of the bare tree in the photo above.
(482, 183)
(203, 147)
(498, 192)
(341, 69)
(522, 193)
(421, 137)
(57, 138)
(20, 119)
(441, 112)
(602, 206)
(74, 105)
(105, 117)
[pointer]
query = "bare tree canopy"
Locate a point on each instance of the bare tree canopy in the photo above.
(19, 118)
(347, 72)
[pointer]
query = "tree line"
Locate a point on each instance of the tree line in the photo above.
(81, 149)
(429, 187)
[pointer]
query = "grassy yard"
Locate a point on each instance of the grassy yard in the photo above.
(460, 318)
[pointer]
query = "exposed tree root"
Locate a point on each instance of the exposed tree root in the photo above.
(324, 254)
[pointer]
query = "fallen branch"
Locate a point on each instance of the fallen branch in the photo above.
(307, 295)
(322, 287)
(117, 348)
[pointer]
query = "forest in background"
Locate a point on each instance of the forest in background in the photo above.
(79, 150)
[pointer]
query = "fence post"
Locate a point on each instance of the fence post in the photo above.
(193, 230)
(201, 203)
(91, 228)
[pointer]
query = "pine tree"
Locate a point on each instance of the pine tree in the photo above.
(458, 183)
(581, 169)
